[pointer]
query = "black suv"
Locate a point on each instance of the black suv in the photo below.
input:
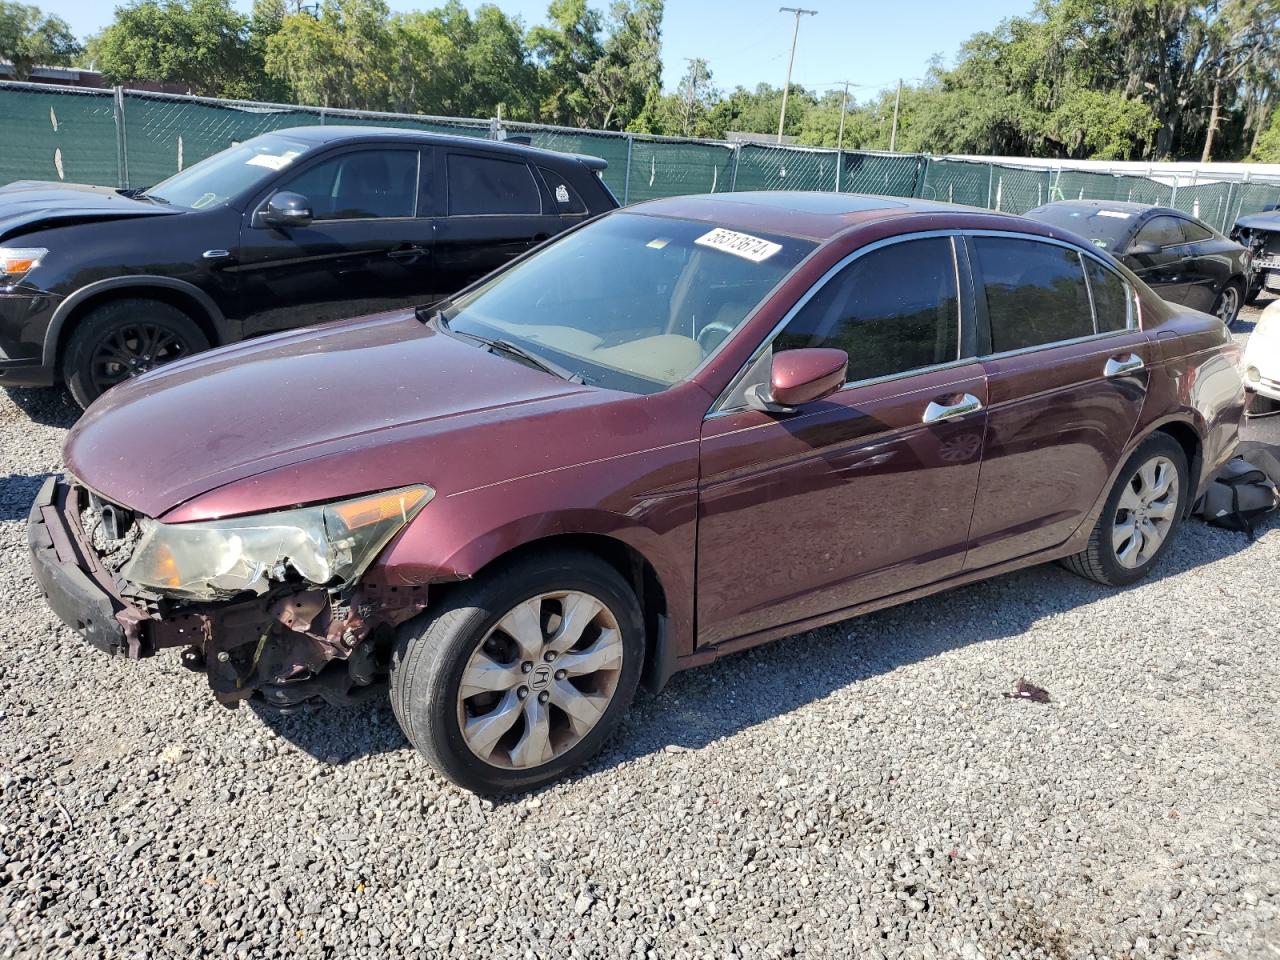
(290, 228)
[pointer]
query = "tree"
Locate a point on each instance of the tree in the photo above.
(29, 39)
(201, 44)
(630, 64)
(567, 50)
(343, 56)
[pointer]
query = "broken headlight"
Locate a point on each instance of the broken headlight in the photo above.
(326, 545)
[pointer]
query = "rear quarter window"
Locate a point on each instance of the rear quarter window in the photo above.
(566, 198)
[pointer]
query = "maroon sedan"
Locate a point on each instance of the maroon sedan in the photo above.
(680, 430)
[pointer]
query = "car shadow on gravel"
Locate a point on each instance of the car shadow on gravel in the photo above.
(702, 706)
(50, 406)
(17, 492)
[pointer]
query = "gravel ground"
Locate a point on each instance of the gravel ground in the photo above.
(863, 790)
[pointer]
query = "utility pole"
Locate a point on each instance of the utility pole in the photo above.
(695, 68)
(844, 101)
(786, 87)
(897, 102)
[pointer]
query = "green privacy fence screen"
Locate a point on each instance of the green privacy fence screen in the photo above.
(128, 138)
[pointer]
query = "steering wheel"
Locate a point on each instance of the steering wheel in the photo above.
(709, 343)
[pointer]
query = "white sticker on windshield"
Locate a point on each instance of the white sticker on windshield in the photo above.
(1099, 242)
(739, 244)
(1114, 213)
(271, 161)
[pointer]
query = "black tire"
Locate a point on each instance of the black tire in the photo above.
(1098, 561)
(123, 330)
(433, 650)
(1230, 288)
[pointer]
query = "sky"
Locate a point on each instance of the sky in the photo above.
(746, 42)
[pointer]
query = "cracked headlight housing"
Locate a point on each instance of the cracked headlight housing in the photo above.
(328, 545)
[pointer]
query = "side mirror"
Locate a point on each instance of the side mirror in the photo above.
(286, 209)
(798, 377)
(1143, 248)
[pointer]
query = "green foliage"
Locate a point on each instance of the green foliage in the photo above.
(203, 45)
(29, 38)
(1267, 149)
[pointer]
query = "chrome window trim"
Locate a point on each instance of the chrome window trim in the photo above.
(718, 409)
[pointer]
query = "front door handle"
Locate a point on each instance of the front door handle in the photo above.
(966, 403)
(407, 253)
(1119, 366)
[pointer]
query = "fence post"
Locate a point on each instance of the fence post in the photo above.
(626, 182)
(737, 154)
(122, 152)
(1173, 197)
(839, 166)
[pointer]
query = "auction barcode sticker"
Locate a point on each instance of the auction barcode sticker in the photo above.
(739, 244)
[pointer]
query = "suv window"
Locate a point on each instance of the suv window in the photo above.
(894, 310)
(1110, 297)
(566, 198)
(1035, 292)
(1193, 232)
(1162, 231)
(360, 185)
(488, 185)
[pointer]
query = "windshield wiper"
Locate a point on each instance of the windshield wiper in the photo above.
(434, 317)
(542, 363)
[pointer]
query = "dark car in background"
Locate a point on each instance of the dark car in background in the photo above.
(288, 229)
(1260, 233)
(1181, 258)
(678, 431)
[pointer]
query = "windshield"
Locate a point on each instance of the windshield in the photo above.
(1105, 229)
(218, 178)
(630, 302)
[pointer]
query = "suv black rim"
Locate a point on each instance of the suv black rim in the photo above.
(134, 350)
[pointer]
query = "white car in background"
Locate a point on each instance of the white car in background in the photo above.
(1262, 355)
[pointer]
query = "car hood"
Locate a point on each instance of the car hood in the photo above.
(33, 204)
(346, 392)
(1269, 220)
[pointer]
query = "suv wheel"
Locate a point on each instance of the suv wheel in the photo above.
(1140, 517)
(123, 339)
(522, 674)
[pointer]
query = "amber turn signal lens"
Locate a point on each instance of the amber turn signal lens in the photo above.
(15, 261)
(396, 504)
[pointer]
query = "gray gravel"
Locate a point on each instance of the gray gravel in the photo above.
(863, 790)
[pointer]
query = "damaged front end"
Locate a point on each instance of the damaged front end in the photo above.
(277, 607)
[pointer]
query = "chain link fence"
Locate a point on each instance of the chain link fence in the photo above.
(129, 138)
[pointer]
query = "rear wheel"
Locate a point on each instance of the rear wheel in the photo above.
(521, 675)
(1227, 307)
(123, 339)
(1140, 517)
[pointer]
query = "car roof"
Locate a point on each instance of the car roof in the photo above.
(812, 215)
(356, 134)
(1138, 210)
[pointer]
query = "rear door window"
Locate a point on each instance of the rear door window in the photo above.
(1035, 292)
(893, 310)
(491, 185)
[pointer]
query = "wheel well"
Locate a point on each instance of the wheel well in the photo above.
(629, 562)
(174, 298)
(1187, 438)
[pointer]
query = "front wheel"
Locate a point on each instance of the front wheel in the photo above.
(1140, 517)
(123, 339)
(522, 674)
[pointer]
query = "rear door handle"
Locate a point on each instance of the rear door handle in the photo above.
(966, 403)
(1119, 366)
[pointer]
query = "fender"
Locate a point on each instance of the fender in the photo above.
(69, 304)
